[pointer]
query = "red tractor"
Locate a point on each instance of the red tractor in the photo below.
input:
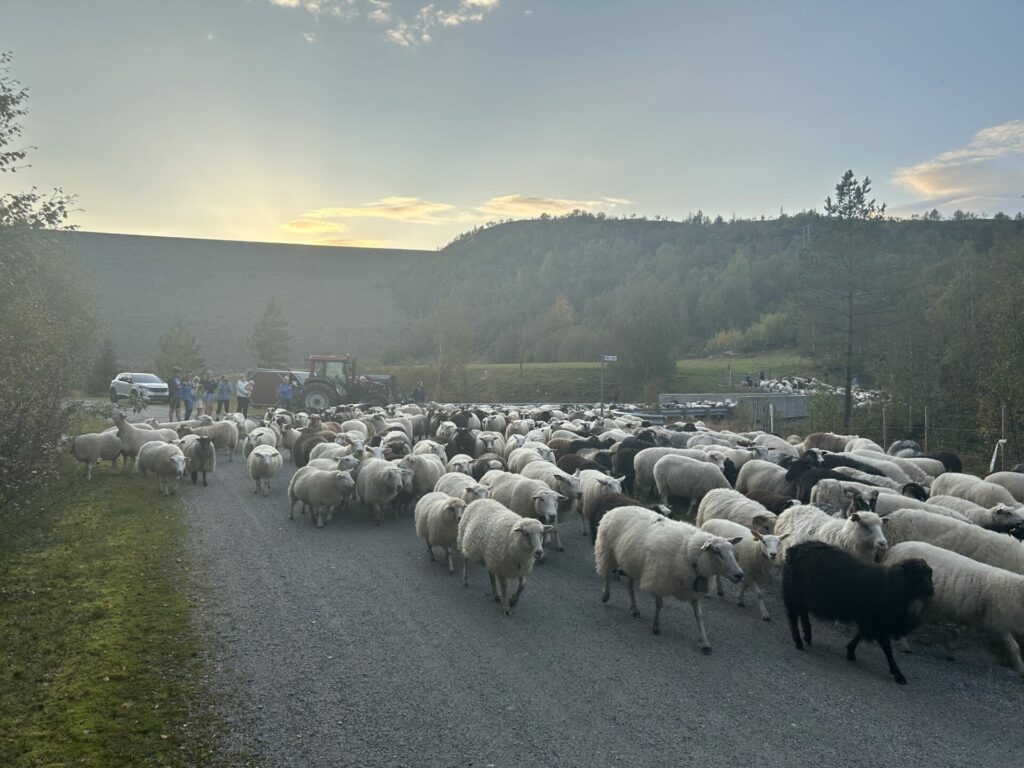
(333, 381)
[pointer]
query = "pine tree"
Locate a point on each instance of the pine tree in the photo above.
(104, 368)
(271, 338)
(178, 347)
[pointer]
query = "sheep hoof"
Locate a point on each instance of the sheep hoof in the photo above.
(635, 613)
(705, 649)
(766, 618)
(900, 679)
(656, 630)
(604, 597)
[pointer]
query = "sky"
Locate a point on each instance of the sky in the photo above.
(402, 124)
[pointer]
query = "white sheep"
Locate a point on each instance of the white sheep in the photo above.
(906, 468)
(461, 486)
(344, 463)
(1011, 481)
(93, 448)
(967, 539)
(835, 498)
(997, 518)
(592, 485)
(973, 489)
(165, 460)
(970, 593)
(520, 457)
(263, 463)
(378, 484)
(760, 475)
(886, 503)
(259, 436)
(437, 522)
(755, 553)
(860, 534)
(561, 482)
(528, 498)
(504, 543)
(461, 463)
(427, 470)
(133, 437)
(320, 490)
(644, 461)
(727, 504)
(666, 557)
(429, 446)
(224, 434)
(683, 477)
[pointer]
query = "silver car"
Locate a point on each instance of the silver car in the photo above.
(148, 386)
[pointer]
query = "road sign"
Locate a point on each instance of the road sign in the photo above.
(611, 358)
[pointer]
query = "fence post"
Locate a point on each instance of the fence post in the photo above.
(885, 433)
(730, 377)
(926, 429)
(1003, 435)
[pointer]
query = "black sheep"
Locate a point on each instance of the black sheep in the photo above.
(885, 602)
(601, 505)
(572, 462)
(949, 460)
(485, 463)
(803, 475)
(772, 501)
(464, 441)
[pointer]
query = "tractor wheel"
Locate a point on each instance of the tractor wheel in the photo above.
(316, 397)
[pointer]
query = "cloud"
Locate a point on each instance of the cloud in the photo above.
(526, 206)
(350, 242)
(307, 226)
(309, 37)
(408, 209)
(984, 168)
(405, 30)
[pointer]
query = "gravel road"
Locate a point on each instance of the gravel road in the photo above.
(346, 646)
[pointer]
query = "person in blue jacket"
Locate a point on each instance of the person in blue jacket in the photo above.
(188, 394)
(174, 395)
(284, 393)
(223, 395)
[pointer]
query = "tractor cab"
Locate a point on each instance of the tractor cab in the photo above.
(339, 370)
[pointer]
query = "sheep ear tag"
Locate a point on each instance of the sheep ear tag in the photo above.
(705, 546)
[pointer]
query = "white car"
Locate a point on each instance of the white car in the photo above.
(148, 386)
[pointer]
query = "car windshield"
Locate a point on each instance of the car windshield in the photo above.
(146, 378)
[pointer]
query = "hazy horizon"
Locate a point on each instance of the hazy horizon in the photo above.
(401, 125)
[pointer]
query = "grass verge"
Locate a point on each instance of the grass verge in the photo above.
(99, 662)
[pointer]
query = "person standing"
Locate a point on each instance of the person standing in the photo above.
(209, 392)
(243, 391)
(188, 392)
(284, 393)
(419, 396)
(223, 396)
(174, 395)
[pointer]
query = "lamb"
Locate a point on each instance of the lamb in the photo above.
(727, 504)
(437, 518)
(377, 485)
(461, 487)
(668, 558)
(504, 543)
(756, 554)
(263, 463)
(860, 534)
(201, 455)
(320, 490)
(970, 593)
(133, 437)
(687, 478)
(224, 434)
(974, 489)
(1011, 481)
(760, 475)
(885, 602)
(165, 460)
(967, 539)
(93, 448)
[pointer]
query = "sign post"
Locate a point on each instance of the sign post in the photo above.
(605, 359)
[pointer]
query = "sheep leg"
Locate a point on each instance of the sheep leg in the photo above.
(319, 512)
(204, 479)
(721, 590)
(519, 591)
(451, 560)
(494, 587)
(558, 540)
(1014, 650)
(505, 607)
(805, 622)
(851, 648)
(791, 615)
(655, 625)
(893, 669)
(430, 550)
(606, 593)
(698, 614)
(633, 610)
(760, 599)
(465, 571)
(88, 470)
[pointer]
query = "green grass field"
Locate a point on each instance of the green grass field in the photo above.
(507, 382)
(101, 665)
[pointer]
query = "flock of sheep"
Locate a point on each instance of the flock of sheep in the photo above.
(882, 540)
